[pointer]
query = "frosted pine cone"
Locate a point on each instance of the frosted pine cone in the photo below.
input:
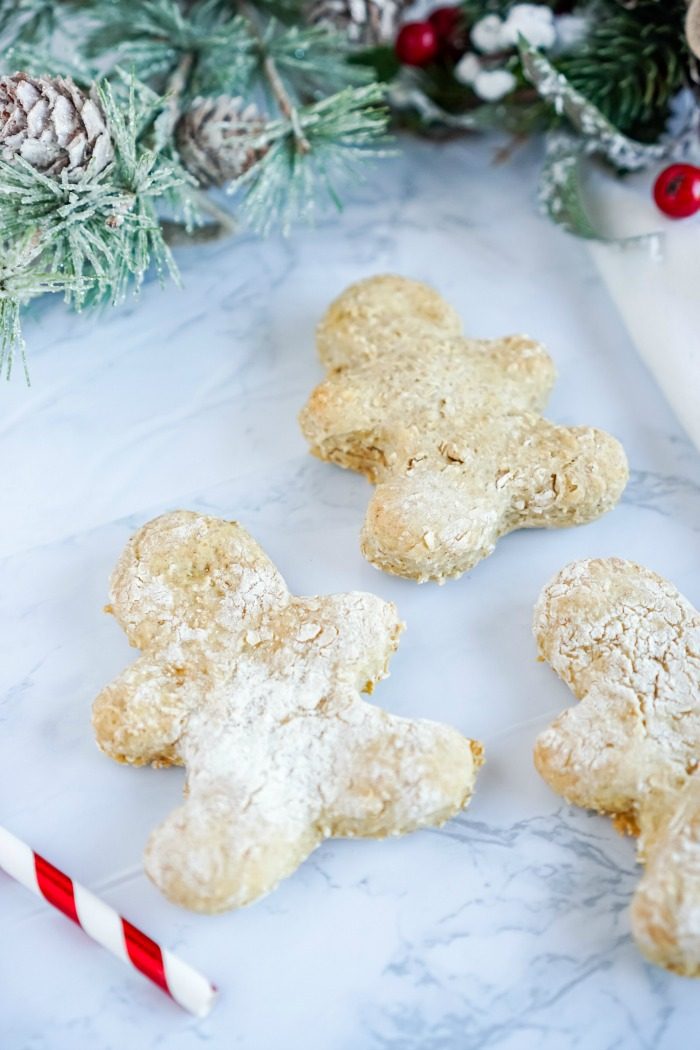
(365, 22)
(216, 139)
(53, 125)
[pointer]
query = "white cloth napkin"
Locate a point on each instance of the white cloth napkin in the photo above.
(657, 293)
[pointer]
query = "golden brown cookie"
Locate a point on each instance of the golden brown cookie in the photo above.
(449, 430)
(628, 645)
(257, 693)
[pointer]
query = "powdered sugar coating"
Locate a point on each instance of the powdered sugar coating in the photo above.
(628, 645)
(449, 430)
(256, 692)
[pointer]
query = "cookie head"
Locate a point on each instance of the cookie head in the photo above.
(379, 313)
(628, 645)
(450, 431)
(257, 693)
(187, 574)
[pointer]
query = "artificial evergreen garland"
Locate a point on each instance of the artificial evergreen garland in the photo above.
(628, 58)
(105, 158)
(616, 79)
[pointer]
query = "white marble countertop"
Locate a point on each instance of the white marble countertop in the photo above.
(507, 928)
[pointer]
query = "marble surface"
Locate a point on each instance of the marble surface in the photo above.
(507, 928)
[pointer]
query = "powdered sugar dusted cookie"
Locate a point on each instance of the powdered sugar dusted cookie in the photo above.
(628, 645)
(256, 692)
(449, 430)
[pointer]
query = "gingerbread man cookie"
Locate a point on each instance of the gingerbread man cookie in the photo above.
(628, 645)
(256, 692)
(449, 430)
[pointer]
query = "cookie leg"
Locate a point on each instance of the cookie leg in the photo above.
(139, 717)
(397, 775)
(217, 852)
(666, 906)
(431, 526)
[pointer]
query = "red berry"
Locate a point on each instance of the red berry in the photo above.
(451, 31)
(677, 191)
(416, 44)
(444, 21)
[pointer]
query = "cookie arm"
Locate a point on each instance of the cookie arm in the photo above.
(397, 775)
(566, 476)
(140, 716)
(526, 366)
(592, 754)
(342, 422)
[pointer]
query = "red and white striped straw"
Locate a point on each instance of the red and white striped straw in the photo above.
(183, 984)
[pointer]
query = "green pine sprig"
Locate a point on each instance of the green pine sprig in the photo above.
(313, 60)
(631, 64)
(95, 234)
(90, 238)
(27, 22)
(22, 278)
(307, 153)
(210, 47)
(151, 37)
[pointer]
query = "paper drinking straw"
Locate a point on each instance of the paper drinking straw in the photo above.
(183, 984)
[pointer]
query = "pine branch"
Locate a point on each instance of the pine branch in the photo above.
(284, 185)
(315, 60)
(83, 213)
(143, 176)
(182, 45)
(632, 63)
(286, 107)
(229, 53)
(41, 62)
(20, 281)
(29, 22)
(152, 36)
(273, 78)
(175, 90)
(93, 233)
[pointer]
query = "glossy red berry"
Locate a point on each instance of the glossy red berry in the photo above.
(451, 31)
(416, 44)
(677, 191)
(445, 21)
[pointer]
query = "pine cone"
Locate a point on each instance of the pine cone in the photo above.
(365, 22)
(215, 139)
(53, 125)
